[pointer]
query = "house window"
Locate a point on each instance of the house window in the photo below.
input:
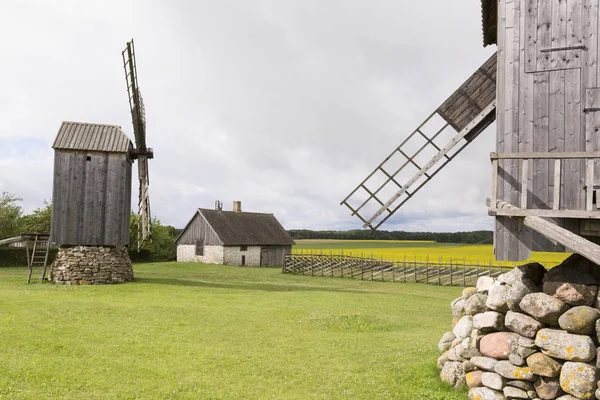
(89, 158)
(243, 248)
(199, 247)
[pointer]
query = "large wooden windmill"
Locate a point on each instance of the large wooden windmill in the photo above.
(91, 201)
(543, 89)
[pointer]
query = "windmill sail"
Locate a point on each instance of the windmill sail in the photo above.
(142, 153)
(440, 138)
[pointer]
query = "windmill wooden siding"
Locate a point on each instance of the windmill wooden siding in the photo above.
(547, 77)
(91, 197)
(233, 238)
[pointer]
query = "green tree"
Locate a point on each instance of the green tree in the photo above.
(38, 221)
(10, 212)
(162, 247)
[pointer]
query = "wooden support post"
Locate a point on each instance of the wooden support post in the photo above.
(450, 271)
(494, 180)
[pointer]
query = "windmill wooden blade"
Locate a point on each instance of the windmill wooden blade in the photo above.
(429, 148)
(141, 152)
(144, 223)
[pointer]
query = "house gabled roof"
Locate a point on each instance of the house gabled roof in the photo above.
(92, 137)
(244, 228)
(489, 16)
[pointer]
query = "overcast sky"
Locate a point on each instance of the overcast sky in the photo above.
(285, 105)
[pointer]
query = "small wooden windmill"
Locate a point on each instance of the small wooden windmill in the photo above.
(546, 169)
(141, 153)
(91, 201)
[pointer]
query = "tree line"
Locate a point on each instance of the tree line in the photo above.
(474, 237)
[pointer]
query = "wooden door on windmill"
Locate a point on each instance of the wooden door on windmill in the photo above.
(553, 34)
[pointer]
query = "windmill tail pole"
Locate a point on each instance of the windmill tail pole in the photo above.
(571, 241)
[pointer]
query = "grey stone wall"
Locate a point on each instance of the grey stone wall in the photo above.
(86, 265)
(529, 334)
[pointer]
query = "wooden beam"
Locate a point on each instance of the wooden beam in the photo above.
(545, 213)
(546, 155)
(576, 243)
(11, 240)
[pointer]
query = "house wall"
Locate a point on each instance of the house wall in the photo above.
(540, 100)
(91, 199)
(233, 255)
(212, 254)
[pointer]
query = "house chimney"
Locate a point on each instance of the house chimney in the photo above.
(237, 206)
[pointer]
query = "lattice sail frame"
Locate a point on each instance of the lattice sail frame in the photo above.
(138, 118)
(436, 142)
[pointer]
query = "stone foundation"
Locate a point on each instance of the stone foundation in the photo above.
(529, 334)
(87, 265)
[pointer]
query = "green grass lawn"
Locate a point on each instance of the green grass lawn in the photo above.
(194, 331)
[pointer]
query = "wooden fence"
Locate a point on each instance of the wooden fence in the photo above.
(444, 273)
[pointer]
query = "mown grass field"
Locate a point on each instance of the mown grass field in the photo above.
(397, 250)
(194, 331)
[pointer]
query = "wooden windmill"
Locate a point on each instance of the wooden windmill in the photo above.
(543, 88)
(91, 201)
(141, 153)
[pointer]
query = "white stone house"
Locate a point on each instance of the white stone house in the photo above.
(233, 238)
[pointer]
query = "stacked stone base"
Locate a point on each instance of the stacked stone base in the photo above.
(530, 334)
(87, 265)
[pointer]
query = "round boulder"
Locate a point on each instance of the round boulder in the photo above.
(484, 393)
(510, 371)
(485, 363)
(547, 388)
(476, 304)
(493, 380)
(522, 324)
(543, 307)
(579, 379)
(446, 341)
(498, 345)
(572, 294)
(543, 365)
(473, 379)
(453, 374)
(463, 328)
(580, 320)
(488, 321)
(496, 300)
(517, 291)
(565, 346)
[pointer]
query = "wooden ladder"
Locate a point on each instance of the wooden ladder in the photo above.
(39, 254)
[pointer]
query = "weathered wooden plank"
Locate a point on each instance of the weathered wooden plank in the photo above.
(557, 186)
(499, 228)
(590, 40)
(558, 34)
(544, 35)
(592, 123)
(559, 214)
(530, 55)
(524, 183)
(572, 193)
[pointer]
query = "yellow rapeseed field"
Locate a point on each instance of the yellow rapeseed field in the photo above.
(398, 250)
